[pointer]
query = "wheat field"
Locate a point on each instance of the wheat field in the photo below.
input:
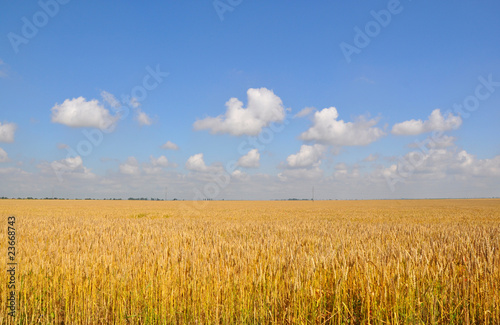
(254, 262)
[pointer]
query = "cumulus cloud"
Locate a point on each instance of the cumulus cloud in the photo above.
(3, 156)
(441, 163)
(450, 172)
(196, 163)
(304, 112)
(263, 108)
(130, 167)
(170, 146)
(70, 162)
(306, 157)
(161, 161)
(435, 122)
(68, 167)
(305, 164)
(250, 160)
(239, 175)
(7, 131)
(157, 165)
(466, 163)
(78, 112)
(142, 118)
(327, 129)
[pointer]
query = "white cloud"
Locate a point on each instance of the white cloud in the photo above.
(130, 167)
(7, 131)
(250, 160)
(345, 172)
(305, 164)
(468, 164)
(134, 102)
(196, 163)
(239, 175)
(143, 118)
(161, 161)
(314, 172)
(371, 157)
(10, 171)
(170, 146)
(450, 172)
(71, 162)
(156, 165)
(328, 130)
(110, 99)
(435, 122)
(3, 156)
(304, 112)
(341, 166)
(68, 167)
(444, 141)
(263, 108)
(78, 112)
(442, 164)
(306, 157)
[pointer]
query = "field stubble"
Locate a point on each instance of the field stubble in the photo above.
(338, 262)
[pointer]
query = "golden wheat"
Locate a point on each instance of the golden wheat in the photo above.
(334, 262)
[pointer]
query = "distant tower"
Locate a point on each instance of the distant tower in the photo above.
(166, 192)
(313, 194)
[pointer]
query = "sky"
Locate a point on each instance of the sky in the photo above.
(252, 100)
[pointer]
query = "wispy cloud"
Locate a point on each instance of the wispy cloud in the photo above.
(304, 112)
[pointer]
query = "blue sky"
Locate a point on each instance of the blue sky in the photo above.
(259, 99)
